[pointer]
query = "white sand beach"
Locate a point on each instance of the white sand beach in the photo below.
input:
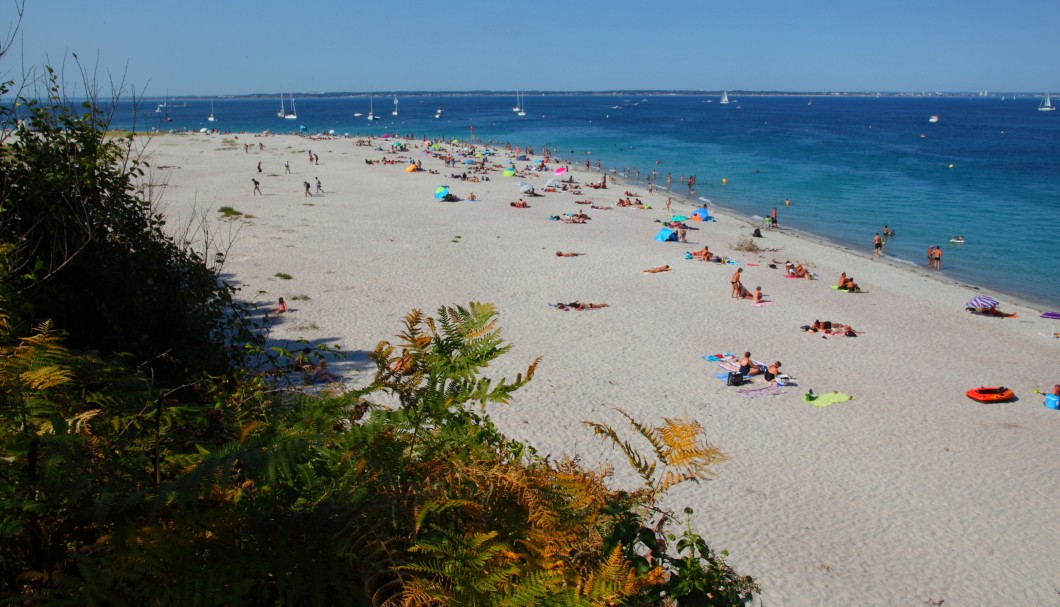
(907, 494)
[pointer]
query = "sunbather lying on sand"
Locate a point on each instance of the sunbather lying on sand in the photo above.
(566, 254)
(991, 312)
(704, 254)
(601, 207)
(828, 327)
(521, 204)
(583, 202)
(658, 269)
(574, 305)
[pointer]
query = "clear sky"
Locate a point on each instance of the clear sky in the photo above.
(197, 47)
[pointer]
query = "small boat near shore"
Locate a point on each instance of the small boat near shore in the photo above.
(1046, 104)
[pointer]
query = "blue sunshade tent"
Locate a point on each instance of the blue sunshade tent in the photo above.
(982, 302)
(441, 191)
(702, 214)
(666, 234)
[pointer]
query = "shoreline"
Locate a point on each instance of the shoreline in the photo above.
(907, 492)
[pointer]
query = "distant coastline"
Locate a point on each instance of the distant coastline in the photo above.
(606, 93)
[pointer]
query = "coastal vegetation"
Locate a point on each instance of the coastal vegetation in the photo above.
(154, 450)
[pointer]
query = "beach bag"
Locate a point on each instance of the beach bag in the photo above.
(734, 379)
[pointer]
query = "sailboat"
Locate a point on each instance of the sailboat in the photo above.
(1047, 104)
(293, 114)
(522, 107)
(371, 109)
(724, 97)
(283, 112)
(394, 113)
(211, 117)
(518, 103)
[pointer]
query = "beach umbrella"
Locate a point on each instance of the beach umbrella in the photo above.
(508, 172)
(551, 183)
(560, 170)
(441, 191)
(411, 168)
(469, 161)
(678, 218)
(525, 187)
(982, 302)
(202, 130)
(331, 132)
(455, 141)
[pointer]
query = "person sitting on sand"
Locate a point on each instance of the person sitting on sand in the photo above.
(320, 373)
(520, 205)
(758, 295)
(282, 307)
(772, 372)
(624, 203)
(747, 366)
(704, 254)
(849, 285)
(657, 269)
(564, 254)
(472, 196)
(1056, 390)
(574, 305)
(800, 272)
(842, 281)
(302, 362)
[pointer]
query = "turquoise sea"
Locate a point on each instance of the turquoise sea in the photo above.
(988, 169)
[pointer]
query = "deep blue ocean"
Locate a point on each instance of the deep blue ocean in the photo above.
(988, 169)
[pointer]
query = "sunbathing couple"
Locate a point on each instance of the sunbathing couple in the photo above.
(796, 270)
(520, 205)
(846, 283)
(830, 328)
(578, 217)
(703, 255)
(574, 305)
(749, 367)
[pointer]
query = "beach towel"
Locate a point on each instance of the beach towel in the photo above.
(826, 399)
(763, 303)
(756, 392)
(717, 358)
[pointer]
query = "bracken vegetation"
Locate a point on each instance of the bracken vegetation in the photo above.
(143, 462)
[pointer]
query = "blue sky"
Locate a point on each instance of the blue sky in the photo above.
(193, 47)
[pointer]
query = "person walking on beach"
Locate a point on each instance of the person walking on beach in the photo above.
(259, 166)
(257, 187)
(931, 256)
(877, 245)
(667, 204)
(773, 219)
(320, 190)
(307, 186)
(938, 258)
(286, 167)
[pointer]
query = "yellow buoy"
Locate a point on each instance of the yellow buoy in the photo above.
(724, 181)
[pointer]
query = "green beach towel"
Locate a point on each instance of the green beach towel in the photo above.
(827, 399)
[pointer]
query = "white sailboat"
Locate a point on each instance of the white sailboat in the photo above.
(394, 113)
(522, 107)
(518, 103)
(933, 119)
(211, 117)
(283, 112)
(1047, 104)
(724, 98)
(371, 109)
(293, 114)
(438, 112)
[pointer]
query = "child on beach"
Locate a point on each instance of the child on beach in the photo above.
(282, 307)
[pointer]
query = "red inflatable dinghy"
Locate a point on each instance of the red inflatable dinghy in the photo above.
(993, 394)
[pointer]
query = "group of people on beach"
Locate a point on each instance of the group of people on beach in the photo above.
(934, 255)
